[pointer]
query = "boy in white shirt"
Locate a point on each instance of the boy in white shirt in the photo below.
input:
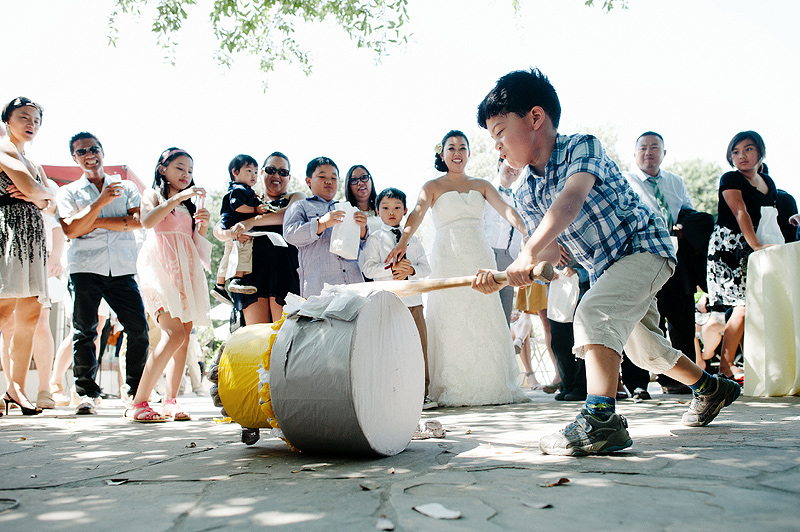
(414, 265)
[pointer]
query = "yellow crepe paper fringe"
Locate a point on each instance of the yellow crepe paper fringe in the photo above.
(263, 393)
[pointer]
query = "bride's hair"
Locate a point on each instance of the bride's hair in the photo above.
(438, 162)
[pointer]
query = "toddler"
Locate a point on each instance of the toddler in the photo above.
(239, 203)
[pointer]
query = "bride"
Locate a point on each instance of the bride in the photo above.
(470, 353)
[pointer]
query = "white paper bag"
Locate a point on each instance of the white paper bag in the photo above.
(562, 298)
(768, 231)
(346, 236)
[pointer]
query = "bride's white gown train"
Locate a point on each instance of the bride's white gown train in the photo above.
(470, 354)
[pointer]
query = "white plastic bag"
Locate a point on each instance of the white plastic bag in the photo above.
(768, 231)
(346, 236)
(562, 298)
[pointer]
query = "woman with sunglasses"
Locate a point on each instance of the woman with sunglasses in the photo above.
(360, 193)
(23, 275)
(275, 264)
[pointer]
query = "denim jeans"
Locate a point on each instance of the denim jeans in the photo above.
(122, 295)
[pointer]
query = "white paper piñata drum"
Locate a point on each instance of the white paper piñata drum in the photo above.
(347, 375)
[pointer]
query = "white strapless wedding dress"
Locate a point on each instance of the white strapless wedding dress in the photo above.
(470, 354)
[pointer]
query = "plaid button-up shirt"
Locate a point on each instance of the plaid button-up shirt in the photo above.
(612, 223)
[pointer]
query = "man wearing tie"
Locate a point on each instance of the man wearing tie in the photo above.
(504, 239)
(665, 193)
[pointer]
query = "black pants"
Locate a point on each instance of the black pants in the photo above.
(571, 369)
(677, 316)
(122, 295)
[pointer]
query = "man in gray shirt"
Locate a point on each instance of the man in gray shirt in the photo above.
(99, 213)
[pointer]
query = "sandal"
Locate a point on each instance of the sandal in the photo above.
(144, 414)
(530, 379)
(173, 409)
(551, 388)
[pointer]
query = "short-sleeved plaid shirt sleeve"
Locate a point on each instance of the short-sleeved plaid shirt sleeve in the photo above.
(612, 222)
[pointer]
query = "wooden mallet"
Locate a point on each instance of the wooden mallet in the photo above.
(543, 271)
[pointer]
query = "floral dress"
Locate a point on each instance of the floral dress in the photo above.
(23, 272)
(728, 250)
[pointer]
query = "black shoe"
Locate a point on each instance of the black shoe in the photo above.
(640, 394)
(220, 294)
(250, 436)
(237, 286)
(570, 396)
(680, 389)
(8, 400)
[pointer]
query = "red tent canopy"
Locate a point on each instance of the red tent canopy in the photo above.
(67, 174)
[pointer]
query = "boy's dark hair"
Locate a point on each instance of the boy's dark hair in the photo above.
(391, 193)
(239, 162)
(746, 135)
(348, 193)
(650, 134)
(80, 136)
(518, 92)
(438, 162)
(16, 103)
(277, 154)
(315, 163)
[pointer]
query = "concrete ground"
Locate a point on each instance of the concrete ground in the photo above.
(103, 472)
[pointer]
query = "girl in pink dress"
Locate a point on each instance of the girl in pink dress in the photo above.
(171, 277)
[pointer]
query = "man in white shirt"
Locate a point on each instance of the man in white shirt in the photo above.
(665, 193)
(504, 239)
(99, 214)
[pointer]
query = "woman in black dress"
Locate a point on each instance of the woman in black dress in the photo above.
(274, 261)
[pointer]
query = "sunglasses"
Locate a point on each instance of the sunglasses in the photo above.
(94, 150)
(364, 179)
(271, 170)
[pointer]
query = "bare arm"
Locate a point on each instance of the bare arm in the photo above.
(734, 200)
(270, 218)
(424, 202)
(154, 210)
(54, 267)
(505, 210)
(542, 244)
(21, 176)
(87, 220)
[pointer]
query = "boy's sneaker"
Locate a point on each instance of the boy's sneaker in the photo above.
(86, 405)
(238, 287)
(429, 403)
(220, 294)
(588, 435)
(704, 408)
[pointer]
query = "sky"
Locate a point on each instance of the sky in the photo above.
(697, 71)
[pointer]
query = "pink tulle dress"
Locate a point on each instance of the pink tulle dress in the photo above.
(170, 267)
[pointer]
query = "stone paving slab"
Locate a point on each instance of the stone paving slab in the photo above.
(742, 472)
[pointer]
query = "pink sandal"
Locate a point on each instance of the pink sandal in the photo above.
(173, 409)
(144, 414)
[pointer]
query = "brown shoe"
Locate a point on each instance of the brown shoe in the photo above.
(45, 400)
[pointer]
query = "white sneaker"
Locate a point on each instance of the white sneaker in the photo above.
(86, 405)
(429, 403)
